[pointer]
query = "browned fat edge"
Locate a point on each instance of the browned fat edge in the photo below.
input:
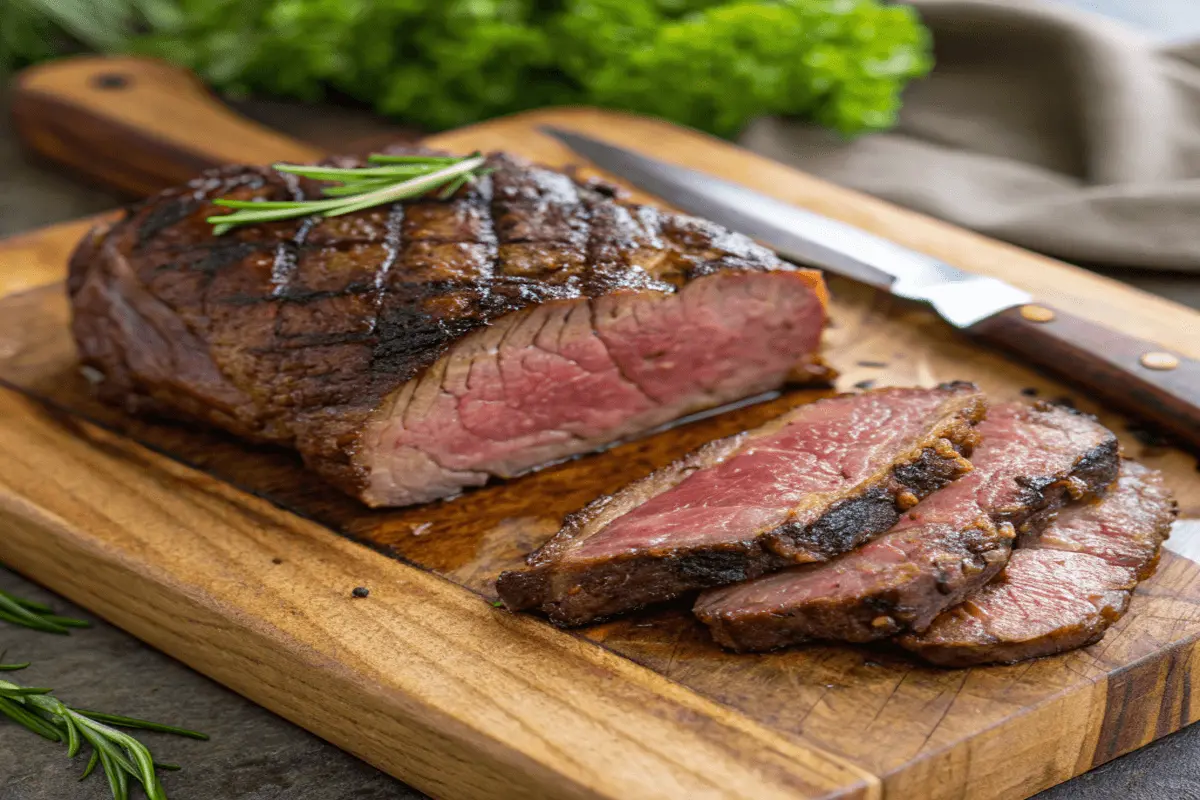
(647, 578)
(758, 635)
(1090, 477)
(1095, 473)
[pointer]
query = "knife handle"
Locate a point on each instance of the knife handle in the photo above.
(137, 124)
(1139, 377)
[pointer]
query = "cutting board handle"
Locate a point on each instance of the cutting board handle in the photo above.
(137, 124)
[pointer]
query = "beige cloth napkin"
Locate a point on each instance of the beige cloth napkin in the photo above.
(1052, 128)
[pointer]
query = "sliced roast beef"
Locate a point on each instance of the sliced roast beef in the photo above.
(1064, 589)
(809, 485)
(410, 351)
(1031, 461)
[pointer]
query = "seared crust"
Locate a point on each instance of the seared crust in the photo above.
(574, 594)
(894, 597)
(1065, 589)
(297, 332)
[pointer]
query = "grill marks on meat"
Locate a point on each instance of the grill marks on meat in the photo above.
(1067, 588)
(1031, 461)
(807, 486)
(413, 350)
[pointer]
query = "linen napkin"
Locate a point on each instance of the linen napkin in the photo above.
(1052, 128)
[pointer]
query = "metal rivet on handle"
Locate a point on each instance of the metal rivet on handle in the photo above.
(1159, 360)
(1037, 313)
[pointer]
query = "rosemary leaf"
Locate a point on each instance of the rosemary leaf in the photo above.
(452, 188)
(26, 718)
(18, 691)
(383, 158)
(357, 187)
(355, 173)
(31, 605)
(118, 754)
(36, 616)
(131, 722)
(255, 205)
(389, 180)
(73, 740)
(91, 765)
(117, 782)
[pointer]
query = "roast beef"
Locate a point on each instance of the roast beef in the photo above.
(1031, 461)
(807, 486)
(413, 350)
(1064, 589)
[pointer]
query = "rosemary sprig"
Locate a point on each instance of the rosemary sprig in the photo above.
(387, 180)
(39, 616)
(119, 755)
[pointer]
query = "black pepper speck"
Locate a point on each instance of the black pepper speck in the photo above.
(1030, 391)
(361, 591)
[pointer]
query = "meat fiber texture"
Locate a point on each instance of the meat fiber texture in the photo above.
(1064, 589)
(1031, 462)
(807, 486)
(411, 351)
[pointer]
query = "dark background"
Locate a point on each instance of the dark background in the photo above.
(255, 755)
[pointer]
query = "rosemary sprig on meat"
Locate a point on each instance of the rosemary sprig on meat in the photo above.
(122, 757)
(39, 616)
(387, 179)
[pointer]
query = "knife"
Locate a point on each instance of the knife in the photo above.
(1139, 377)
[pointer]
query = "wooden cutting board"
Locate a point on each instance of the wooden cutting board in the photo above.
(236, 561)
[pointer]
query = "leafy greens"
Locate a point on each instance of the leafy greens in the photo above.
(712, 64)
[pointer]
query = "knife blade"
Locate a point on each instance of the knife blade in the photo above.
(962, 299)
(1140, 377)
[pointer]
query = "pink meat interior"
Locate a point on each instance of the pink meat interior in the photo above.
(1016, 442)
(569, 376)
(1123, 530)
(1039, 593)
(824, 448)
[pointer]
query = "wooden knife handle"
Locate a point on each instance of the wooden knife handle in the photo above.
(137, 124)
(1136, 376)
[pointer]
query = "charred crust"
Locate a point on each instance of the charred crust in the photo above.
(521, 589)
(1098, 469)
(388, 296)
(1043, 496)
(848, 523)
(940, 460)
(951, 649)
(643, 581)
(712, 568)
(972, 555)
(579, 593)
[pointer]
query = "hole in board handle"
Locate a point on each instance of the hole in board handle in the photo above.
(111, 81)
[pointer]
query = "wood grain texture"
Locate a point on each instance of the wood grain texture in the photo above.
(136, 124)
(204, 549)
(421, 678)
